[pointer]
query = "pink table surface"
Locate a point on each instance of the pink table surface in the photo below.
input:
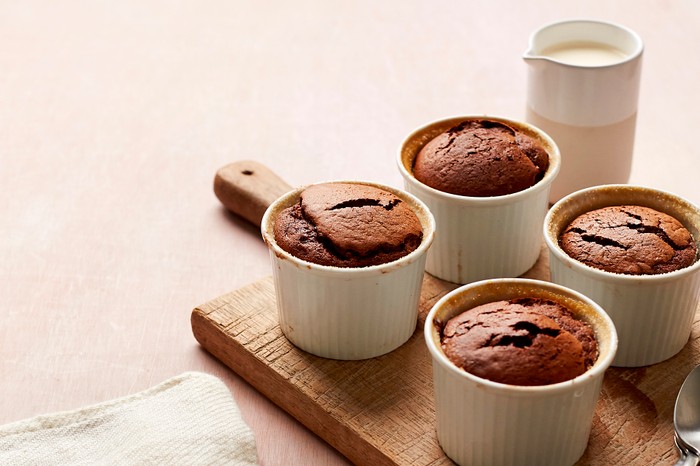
(114, 117)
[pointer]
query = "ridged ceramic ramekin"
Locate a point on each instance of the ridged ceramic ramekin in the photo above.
(348, 313)
(481, 237)
(653, 314)
(481, 422)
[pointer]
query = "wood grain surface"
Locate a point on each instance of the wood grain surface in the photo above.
(381, 411)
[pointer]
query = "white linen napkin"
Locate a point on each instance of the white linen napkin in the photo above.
(190, 419)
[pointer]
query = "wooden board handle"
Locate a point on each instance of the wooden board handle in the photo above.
(247, 188)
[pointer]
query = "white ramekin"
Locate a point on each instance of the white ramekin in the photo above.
(481, 422)
(347, 313)
(653, 314)
(481, 237)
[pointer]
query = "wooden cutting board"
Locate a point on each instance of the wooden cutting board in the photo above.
(380, 411)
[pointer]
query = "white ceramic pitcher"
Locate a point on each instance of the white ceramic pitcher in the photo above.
(583, 88)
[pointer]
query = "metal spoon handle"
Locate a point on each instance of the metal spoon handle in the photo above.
(689, 459)
(686, 456)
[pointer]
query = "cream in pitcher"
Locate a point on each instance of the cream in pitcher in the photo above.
(583, 87)
(584, 53)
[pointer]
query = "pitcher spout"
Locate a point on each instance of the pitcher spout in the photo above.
(532, 59)
(533, 55)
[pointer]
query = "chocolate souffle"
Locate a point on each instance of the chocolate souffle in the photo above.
(522, 341)
(348, 225)
(481, 158)
(629, 239)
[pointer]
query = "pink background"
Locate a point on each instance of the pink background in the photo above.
(114, 117)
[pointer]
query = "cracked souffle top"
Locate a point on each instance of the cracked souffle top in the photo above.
(481, 158)
(523, 341)
(348, 225)
(630, 240)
